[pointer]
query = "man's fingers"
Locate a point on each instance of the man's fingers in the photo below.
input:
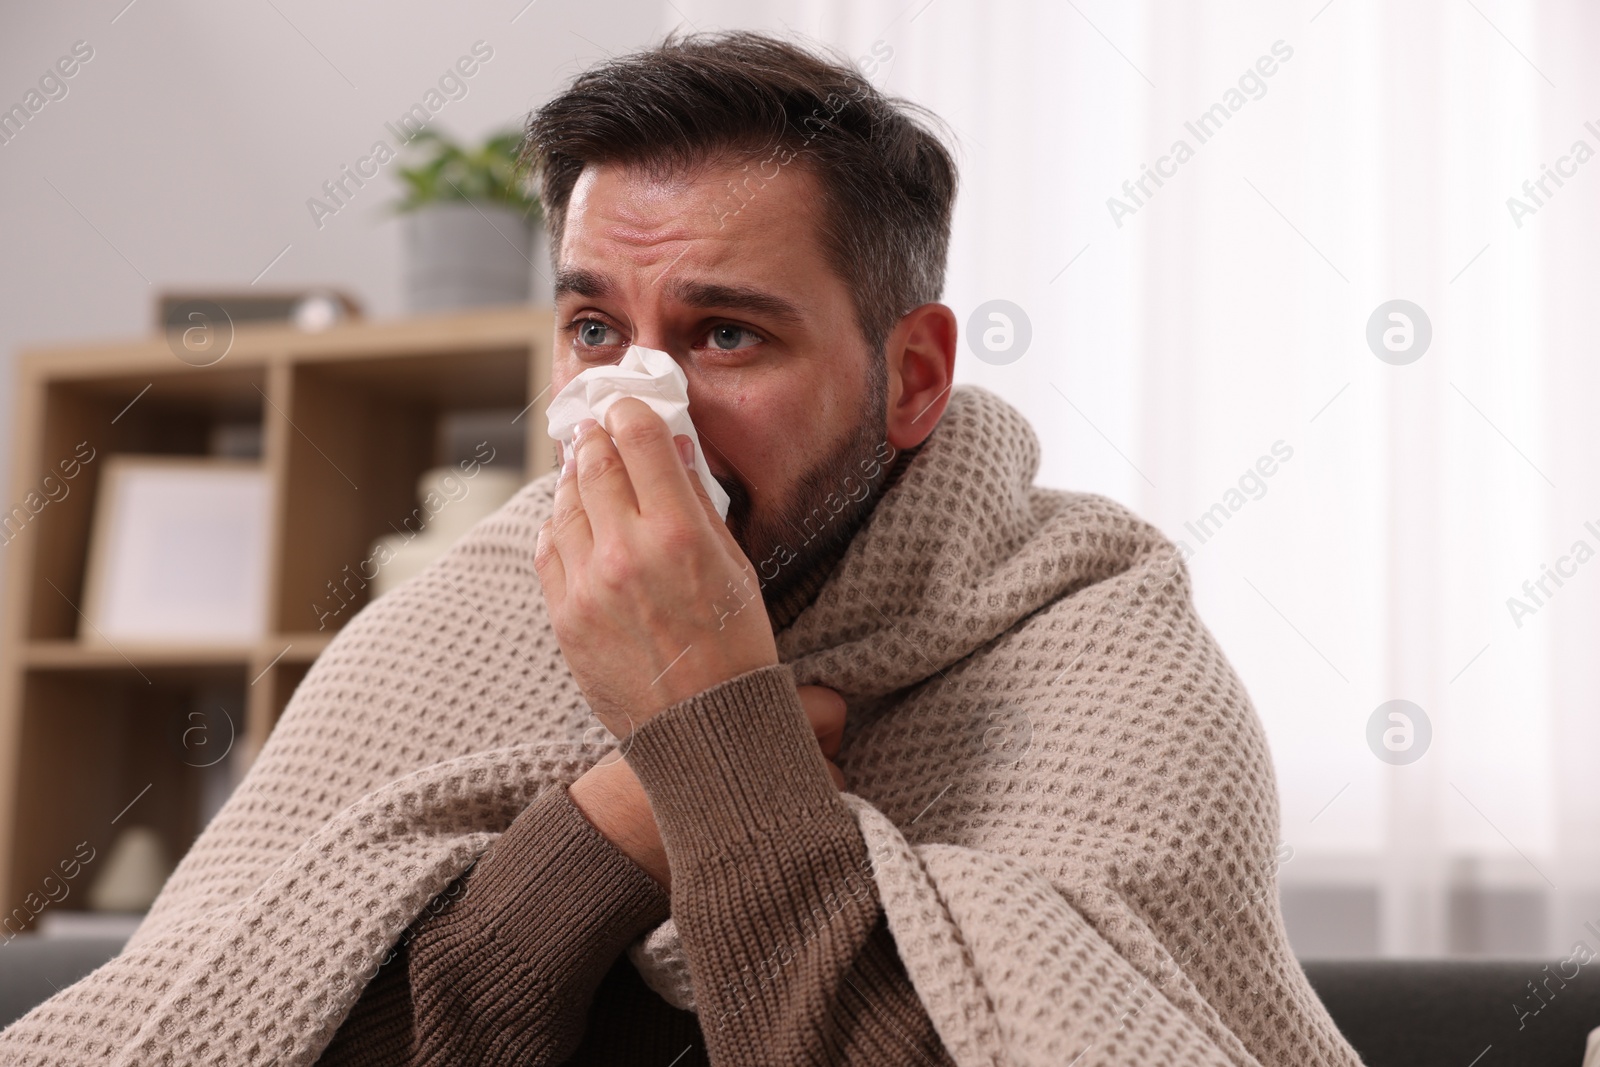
(825, 710)
(603, 482)
(547, 562)
(696, 486)
(718, 523)
(661, 466)
(651, 455)
(569, 523)
(837, 775)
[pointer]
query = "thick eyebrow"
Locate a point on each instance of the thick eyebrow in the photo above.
(735, 298)
(581, 282)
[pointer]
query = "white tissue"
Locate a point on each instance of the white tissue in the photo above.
(653, 377)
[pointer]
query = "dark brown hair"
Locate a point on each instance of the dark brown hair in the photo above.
(888, 182)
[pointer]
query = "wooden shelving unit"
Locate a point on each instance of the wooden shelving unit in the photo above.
(95, 738)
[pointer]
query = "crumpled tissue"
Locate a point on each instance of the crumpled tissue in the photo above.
(648, 374)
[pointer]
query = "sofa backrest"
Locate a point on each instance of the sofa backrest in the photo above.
(1461, 1013)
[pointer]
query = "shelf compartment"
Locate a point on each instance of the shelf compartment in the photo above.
(110, 748)
(358, 436)
(82, 423)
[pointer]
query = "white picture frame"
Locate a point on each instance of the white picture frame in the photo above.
(178, 553)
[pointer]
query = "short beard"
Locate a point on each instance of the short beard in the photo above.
(829, 506)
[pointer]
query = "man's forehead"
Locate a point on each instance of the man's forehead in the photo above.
(636, 201)
(722, 202)
(697, 231)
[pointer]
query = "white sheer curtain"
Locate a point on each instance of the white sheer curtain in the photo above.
(1218, 320)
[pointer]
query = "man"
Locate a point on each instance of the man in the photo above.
(727, 259)
(1057, 840)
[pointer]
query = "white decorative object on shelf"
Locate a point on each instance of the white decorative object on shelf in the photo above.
(62, 923)
(179, 552)
(134, 872)
(452, 501)
(318, 311)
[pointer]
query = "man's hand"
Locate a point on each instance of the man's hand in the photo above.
(614, 802)
(651, 598)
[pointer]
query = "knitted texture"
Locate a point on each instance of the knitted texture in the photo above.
(494, 1007)
(1062, 785)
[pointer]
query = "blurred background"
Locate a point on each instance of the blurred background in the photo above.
(1309, 285)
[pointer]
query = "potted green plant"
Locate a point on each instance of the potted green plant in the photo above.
(474, 232)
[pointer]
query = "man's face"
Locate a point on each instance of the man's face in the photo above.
(787, 398)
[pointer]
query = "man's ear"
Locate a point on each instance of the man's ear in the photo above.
(921, 357)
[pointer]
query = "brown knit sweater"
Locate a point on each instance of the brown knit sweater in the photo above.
(523, 964)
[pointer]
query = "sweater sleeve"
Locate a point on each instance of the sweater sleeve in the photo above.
(772, 890)
(506, 971)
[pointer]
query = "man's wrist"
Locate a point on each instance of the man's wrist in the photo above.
(612, 800)
(692, 674)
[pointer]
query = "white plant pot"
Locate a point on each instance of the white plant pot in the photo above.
(462, 255)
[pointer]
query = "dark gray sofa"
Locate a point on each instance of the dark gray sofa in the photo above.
(1460, 1013)
(1397, 1013)
(33, 968)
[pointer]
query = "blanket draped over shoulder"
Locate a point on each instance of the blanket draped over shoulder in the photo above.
(1063, 787)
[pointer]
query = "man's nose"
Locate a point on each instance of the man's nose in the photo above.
(658, 337)
(649, 335)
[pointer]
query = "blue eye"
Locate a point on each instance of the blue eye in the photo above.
(730, 338)
(593, 332)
